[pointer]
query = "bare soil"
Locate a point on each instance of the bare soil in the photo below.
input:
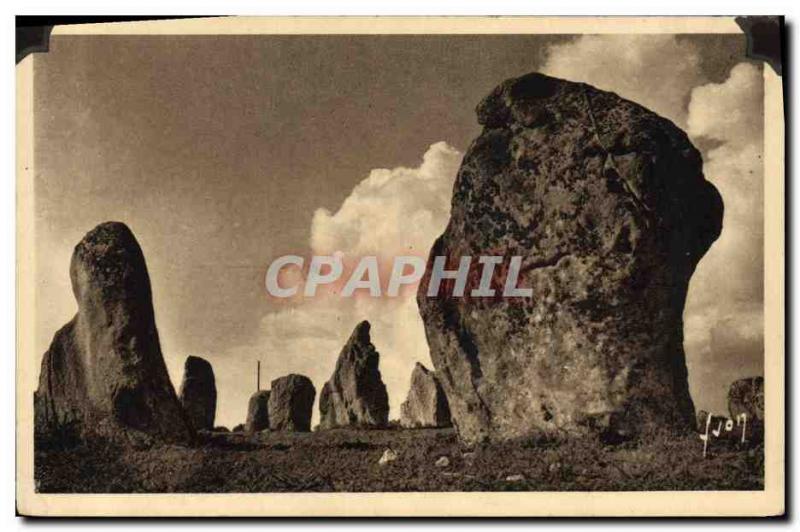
(348, 460)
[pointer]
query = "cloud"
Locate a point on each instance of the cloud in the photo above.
(724, 333)
(729, 111)
(657, 71)
(398, 211)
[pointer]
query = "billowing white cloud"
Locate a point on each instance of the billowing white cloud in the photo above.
(724, 310)
(731, 111)
(392, 212)
(398, 211)
(657, 71)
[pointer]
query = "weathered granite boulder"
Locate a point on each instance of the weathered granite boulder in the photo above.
(199, 393)
(746, 396)
(291, 401)
(426, 403)
(355, 394)
(104, 372)
(258, 412)
(606, 204)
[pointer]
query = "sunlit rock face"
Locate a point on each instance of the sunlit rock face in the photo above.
(607, 205)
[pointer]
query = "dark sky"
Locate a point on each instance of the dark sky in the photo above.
(216, 151)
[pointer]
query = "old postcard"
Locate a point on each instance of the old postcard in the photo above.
(402, 267)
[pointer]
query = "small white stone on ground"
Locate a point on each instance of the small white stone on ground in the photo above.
(515, 478)
(388, 456)
(443, 462)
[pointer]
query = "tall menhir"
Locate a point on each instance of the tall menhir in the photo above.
(607, 203)
(104, 373)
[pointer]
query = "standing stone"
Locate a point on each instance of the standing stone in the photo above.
(746, 396)
(355, 394)
(606, 204)
(426, 404)
(291, 401)
(199, 393)
(258, 412)
(104, 372)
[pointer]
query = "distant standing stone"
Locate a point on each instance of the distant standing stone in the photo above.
(258, 412)
(746, 396)
(199, 393)
(355, 394)
(291, 402)
(426, 404)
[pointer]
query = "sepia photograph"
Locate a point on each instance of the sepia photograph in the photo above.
(375, 258)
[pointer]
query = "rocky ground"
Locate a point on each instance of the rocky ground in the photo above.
(348, 460)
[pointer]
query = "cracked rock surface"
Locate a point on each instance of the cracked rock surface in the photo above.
(607, 205)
